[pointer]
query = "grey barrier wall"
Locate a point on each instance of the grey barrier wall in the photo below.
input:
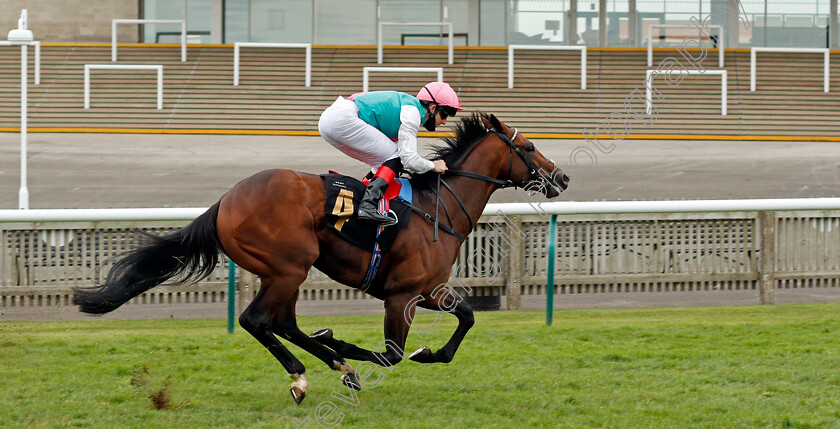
(763, 251)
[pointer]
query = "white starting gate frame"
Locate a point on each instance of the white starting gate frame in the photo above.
(366, 72)
(582, 50)
(823, 51)
(238, 45)
(159, 68)
(37, 45)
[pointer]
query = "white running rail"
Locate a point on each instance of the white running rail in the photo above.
(114, 23)
(37, 45)
(673, 206)
(582, 50)
(823, 51)
(427, 24)
(493, 209)
(159, 68)
(366, 72)
(699, 30)
(649, 84)
(238, 45)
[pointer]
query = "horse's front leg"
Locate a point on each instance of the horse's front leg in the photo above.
(445, 300)
(398, 315)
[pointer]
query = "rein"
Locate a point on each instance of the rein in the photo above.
(434, 220)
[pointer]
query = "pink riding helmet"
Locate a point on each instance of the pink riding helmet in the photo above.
(440, 93)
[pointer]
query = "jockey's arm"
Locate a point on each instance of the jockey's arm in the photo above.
(407, 141)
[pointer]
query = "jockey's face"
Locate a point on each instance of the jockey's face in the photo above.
(440, 115)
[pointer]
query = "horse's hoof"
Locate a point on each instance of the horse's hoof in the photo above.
(323, 334)
(422, 355)
(351, 380)
(297, 395)
(298, 388)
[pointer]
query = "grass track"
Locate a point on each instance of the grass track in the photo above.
(770, 366)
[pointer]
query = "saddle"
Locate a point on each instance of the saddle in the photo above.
(344, 193)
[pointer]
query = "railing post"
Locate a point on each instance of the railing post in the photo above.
(235, 64)
(231, 294)
(549, 284)
(379, 44)
(513, 282)
(5, 260)
(37, 62)
(113, 40)
(767, 259)
(246, 286)
(87, 86)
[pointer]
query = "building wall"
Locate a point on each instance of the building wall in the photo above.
(71, 20)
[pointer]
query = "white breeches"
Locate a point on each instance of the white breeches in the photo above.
(341, 127)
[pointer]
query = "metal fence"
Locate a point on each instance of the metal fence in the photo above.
(505, 255)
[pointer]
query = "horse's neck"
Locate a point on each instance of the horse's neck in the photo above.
(474, 193)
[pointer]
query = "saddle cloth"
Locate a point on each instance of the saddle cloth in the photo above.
(344, 194)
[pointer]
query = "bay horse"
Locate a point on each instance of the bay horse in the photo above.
(272, 225)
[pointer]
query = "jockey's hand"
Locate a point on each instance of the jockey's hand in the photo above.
(440, 166)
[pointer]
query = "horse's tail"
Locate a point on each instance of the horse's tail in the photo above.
(184, 256)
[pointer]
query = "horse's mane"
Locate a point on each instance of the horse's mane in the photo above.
(469, 131)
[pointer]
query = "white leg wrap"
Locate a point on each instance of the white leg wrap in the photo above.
(300, 382)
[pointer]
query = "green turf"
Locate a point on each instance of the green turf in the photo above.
(770, 366)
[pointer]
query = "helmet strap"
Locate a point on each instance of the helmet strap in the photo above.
(430, 94)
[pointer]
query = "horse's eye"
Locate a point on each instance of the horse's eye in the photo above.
(530, 148)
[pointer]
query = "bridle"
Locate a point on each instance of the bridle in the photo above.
(533, 171)
(534, 177)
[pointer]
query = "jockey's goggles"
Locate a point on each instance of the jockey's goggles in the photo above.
(446, 111)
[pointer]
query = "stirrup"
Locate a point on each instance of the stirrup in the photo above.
(384, 220)
(395, 221)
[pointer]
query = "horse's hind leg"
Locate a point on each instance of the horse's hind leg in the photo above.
(256, 319)
(285, 325)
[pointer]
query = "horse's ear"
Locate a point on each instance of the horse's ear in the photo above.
(491, 122)
(486, 120)
(497, 124)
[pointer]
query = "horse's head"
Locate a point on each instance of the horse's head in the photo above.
(527, 167)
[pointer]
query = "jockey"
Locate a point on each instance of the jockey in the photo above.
(365, 126)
